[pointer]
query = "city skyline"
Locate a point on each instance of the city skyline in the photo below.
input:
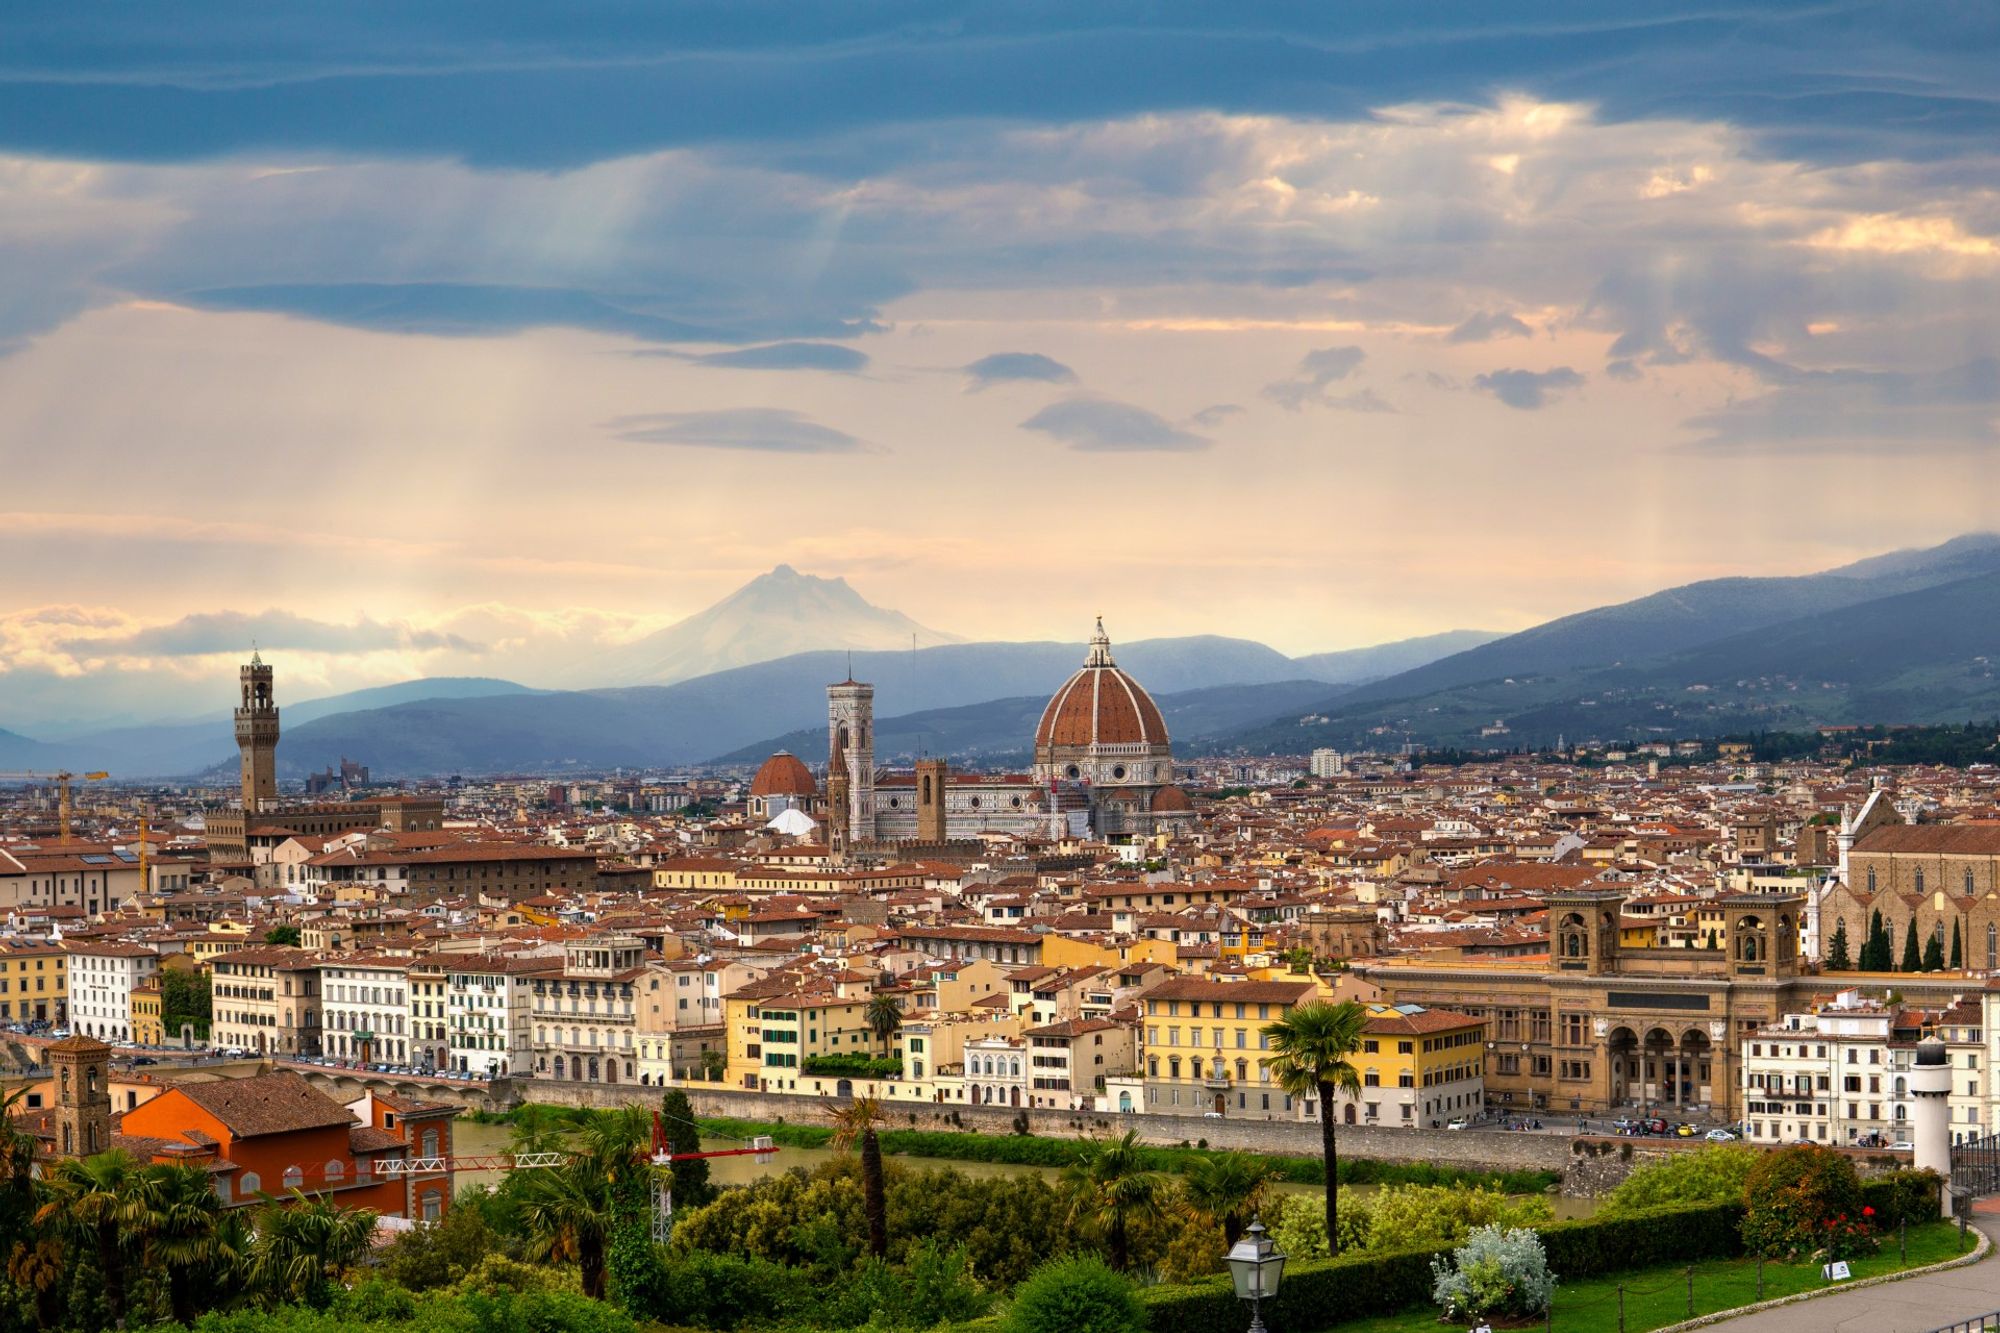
(1321, 337)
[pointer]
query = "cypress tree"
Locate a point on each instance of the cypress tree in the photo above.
(1957, 953)
(1875, 953)
(1836, 954)
(691, 1186)
(1913, 958)
(1934, 955)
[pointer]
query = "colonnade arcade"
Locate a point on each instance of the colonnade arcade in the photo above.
(1658, 1066)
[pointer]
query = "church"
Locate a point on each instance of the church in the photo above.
(1103, 767)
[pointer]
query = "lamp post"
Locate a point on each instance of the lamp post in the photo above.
(1257, 1266)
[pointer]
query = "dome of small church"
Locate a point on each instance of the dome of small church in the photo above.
(1171, 801)
(783, 774)
(1101, 705)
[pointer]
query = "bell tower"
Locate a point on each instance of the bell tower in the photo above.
(850, 749)
(1583, 929)
(81, 1066)
(932, 780)
(257, 736)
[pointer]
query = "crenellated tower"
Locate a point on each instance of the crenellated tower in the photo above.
(257, 736)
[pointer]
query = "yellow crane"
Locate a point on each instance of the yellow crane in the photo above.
(62, 778)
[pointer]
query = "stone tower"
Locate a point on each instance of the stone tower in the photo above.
(257, 737)
(1930, 1115)
(836, 815)
(933, 776)
(1583, 929)
(850, 734)
(81, 1067)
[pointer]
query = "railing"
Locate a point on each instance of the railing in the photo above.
(1975, 1166)
(1979, 1323)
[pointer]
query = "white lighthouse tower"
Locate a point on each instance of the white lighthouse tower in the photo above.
(1930, 1090)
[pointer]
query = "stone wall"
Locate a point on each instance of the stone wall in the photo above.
(1493, 1150)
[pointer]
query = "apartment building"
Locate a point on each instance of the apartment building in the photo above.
(267, 1000)
(102, 976)
(1069, 1061)
(1202, 1043)
(469, 1012)
(34, 981)
(366, 1008)
(585, 1013)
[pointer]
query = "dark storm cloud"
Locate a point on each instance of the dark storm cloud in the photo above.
(752, 429)
(1098, 425)
(524, 84)
(228, 631)
(1528, 390)
(1015, 367)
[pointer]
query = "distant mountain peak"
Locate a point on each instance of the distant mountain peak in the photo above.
(776, 614)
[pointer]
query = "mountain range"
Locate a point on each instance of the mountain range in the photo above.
(1903, 637)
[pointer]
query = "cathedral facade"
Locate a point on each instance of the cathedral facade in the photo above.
(1103, 767)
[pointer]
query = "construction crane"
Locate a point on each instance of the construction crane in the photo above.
(62, 779)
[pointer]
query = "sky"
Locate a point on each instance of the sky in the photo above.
(466, 339)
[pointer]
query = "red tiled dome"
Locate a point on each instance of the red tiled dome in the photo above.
(1101, 705)
(1171, 801)
(783, 775)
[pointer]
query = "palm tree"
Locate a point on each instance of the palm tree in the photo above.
(1110, 1188)
(95, 1201)
(303, 1245)
(39, 1270)
(856, 1123)
(883, 1016)
(1226, 1189)
(570, 1212)
(183, 1234)
(1311, 1046)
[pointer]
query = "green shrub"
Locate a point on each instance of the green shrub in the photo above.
(1589, 1246)
(1793, 1195)
(1497, 1272)
(1903, 1196)
(1405, 1217)
(1714, 1174)
(1313, 1294)
(1079, 1294)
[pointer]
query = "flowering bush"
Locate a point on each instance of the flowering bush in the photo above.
(1801, 1201)
(1844, 1237)
(1495, 1273)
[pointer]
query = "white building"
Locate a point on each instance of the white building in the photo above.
(470, 1012)
(585, 1013)
(1834, 1076)
(1327, 764)
(365, 1008)
(102, 977)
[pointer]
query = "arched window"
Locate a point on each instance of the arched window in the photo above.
(249, 1183)
(1992, 947)
(294, 1178)
(1871, 879)
(1920, 881)
(336, 1170)
(1968, 881)
(1013, 1069)
(430, 1143)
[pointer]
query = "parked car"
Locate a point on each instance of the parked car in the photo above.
(144, 1060)
(1902, 1145)
(1684, 1131)
(1458, 1123)
(1720, 1136)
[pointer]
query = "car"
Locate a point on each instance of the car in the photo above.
(1684, 1131)
(1720, 1136)
(1459, 1123)
(1902, 1145)
(144, 1060)
(1211, 1115)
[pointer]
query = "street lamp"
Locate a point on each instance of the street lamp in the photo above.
(1257, 1266)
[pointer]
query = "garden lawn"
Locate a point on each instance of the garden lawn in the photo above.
(1656, 1297)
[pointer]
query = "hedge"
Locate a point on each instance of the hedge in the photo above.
(1904, 1196)
(1316, 1293)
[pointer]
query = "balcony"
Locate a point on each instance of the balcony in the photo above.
(1218, 1082)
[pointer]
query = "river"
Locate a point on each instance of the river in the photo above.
(480, 1139)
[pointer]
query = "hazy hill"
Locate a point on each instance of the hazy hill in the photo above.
(1003, 730)
(774, 615)
(1916, 656)
(1688, 616)
(1359, 665)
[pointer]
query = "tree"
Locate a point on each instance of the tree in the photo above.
(1836, 953)
(1111, 1189)
(282, 935)
(884, 1017)
(1226, 1189)
(303, 1246)
(1875, 951)
(1913, 959)
(1311, 1046)
(184, 1236)
(691, 1187)
(856, 1123)
(94, 1200)
(186, 999)
(1957, 950)
(1934, 954)
(1712, 1174)
(714, 1064)
(568, 1212)
(441, 1253)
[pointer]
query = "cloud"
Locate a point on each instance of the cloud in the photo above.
(1098, 425)
(1014, 367)
(1210, 417)
(829, 357)
(1488, 325)
(229, 631)
(1528, 390)
(1946, 411)
(751, 429)
(1624, 370)
(1316, 370)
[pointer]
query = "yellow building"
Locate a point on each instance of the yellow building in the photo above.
(1418, 1066)
(34, 982)
(1202, 1045)
(774, 1028)
(148, 1025)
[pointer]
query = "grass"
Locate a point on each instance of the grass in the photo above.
(1656, 1297)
